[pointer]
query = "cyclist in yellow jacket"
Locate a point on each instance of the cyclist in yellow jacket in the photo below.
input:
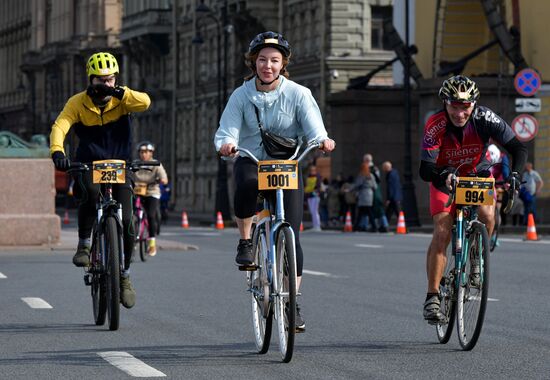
(100, 118)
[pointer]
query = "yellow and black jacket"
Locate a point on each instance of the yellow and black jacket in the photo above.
(103, 133)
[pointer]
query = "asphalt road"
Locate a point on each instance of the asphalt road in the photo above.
(362, 302)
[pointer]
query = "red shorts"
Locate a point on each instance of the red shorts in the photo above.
(438, 199)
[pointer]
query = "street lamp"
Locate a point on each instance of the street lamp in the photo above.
(222, 193)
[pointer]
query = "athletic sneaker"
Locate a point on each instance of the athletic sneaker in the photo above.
(151, 247)
(82, 256)
(432, 309)
(127, 292)
(244, 252)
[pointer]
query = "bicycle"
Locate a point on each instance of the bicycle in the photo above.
(271, 280)
(106, 253)
(465, 283)
(141, 224)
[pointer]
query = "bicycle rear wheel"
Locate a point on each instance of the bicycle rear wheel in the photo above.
(447, 294)
(473, 288)
(112, 250)
(262, 310)
(285, 292)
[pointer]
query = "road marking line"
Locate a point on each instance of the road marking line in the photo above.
(492, 299)
(321, 274)
(36, 303)
(2, 275)
(512, 240)
(129, 364)
(368, 246)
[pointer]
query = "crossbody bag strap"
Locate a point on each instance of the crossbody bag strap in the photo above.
(258, 116)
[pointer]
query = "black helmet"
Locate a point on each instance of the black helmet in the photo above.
(459, 88)
(146, 145)
(269, 39)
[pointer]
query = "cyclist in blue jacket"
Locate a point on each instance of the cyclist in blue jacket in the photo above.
(286, 109)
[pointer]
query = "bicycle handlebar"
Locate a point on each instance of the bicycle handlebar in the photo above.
(310, 146)
(135, 165)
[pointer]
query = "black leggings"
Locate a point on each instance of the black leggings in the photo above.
(152, 209)
(86, 194)
(246, 194)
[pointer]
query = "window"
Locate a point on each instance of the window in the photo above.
(378, 15)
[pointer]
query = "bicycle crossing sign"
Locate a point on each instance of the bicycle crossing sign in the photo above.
(527, 82)
(525, 127)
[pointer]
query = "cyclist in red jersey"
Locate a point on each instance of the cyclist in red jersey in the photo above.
(458, 137)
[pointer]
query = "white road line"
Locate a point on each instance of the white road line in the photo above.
(492, 299)
(368, 246)
(36, 303)
(321, 274)
(512, 240)
(2, 275)
(132, 366)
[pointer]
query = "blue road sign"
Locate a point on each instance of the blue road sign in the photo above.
(527, 82)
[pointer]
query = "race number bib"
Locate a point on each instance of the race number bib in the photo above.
(475, 191)
(109, 171)
(140, 188)
(279, 174)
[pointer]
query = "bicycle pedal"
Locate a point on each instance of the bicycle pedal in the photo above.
(88, 280)
(248, 268)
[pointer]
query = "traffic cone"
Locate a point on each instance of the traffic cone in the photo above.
(401, 228)
(301, 226)
(219, 221)
(66, 217)
(531, 230)
(184, 220)
(348, 227)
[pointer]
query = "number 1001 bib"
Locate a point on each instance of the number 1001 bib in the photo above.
(280, 174)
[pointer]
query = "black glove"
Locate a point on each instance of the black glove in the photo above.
(61, 162)
(101, 91)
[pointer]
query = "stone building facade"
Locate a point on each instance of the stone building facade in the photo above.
(44, 45)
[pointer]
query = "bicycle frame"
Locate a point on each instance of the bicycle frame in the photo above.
(460, 246)
(107, 206)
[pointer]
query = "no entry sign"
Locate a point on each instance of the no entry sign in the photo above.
(525, 127)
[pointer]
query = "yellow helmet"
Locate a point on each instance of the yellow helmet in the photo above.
(101, 63)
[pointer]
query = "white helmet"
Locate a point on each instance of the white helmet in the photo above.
(494, 153)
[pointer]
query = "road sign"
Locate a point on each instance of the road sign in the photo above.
(525, 127)
(527, 82)
(528, 105)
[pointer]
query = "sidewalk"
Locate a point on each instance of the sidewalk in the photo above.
(209, 220)
(69, 239)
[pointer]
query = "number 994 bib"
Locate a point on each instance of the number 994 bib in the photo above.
(475, 191)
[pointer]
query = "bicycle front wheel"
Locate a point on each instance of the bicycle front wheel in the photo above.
(112, 250)
(474, 286)
(447, 294)
(262, 310)
(494, 235)
(143, 236)
(285, 292)
(99, 296)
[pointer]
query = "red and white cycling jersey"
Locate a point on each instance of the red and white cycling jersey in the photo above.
(442, 147)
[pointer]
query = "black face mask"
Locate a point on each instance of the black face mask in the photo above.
(100, 94)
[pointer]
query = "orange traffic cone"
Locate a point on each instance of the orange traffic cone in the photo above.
(401, 228)
(184, 220)
(219, 221)
(348, 227)
(531, 230)
(66, 217)
(301, 226)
